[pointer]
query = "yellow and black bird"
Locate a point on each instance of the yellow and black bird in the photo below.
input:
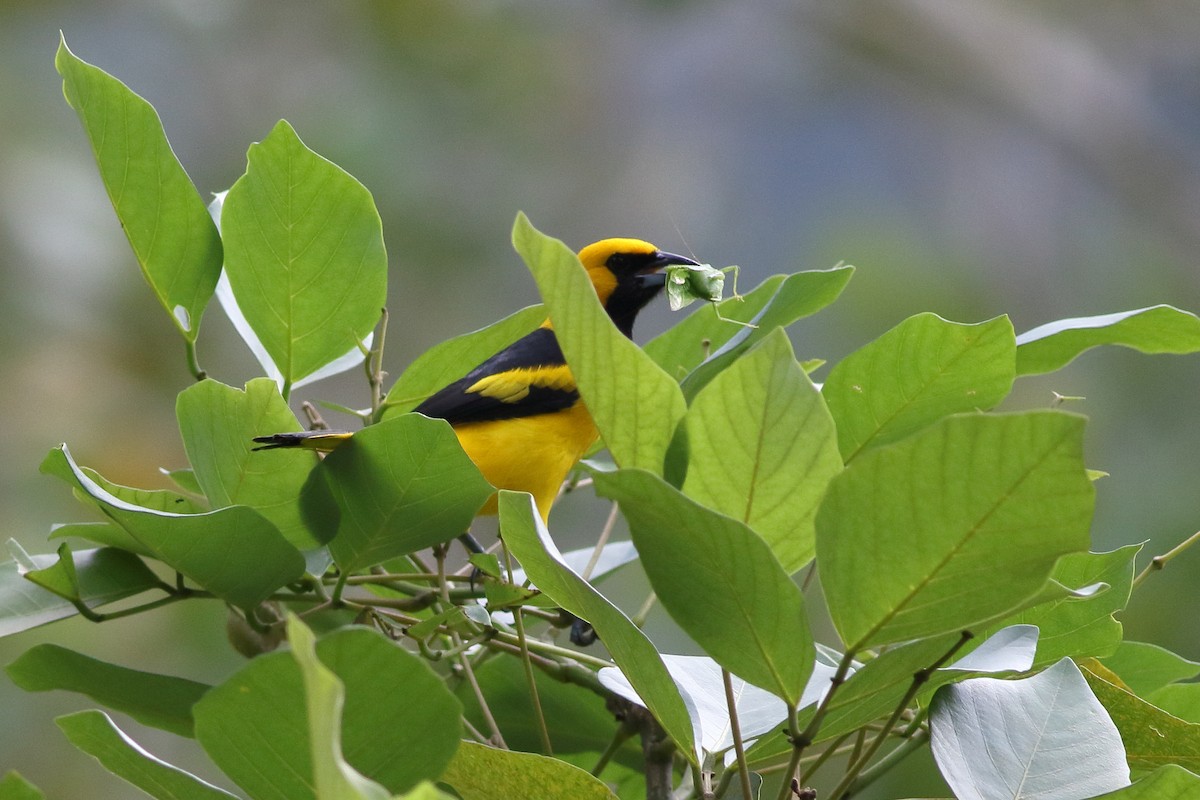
(518, 415)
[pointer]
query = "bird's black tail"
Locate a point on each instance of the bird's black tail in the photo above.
(323, 441)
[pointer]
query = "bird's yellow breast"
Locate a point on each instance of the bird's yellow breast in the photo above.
(529, 454)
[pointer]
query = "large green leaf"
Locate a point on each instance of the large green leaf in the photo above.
(952, 526)
(635, 405)
(95, 734)
(218, 424)
(324, 697)
(104, 576)
(479, 772)
(762, 448)
(448, 361)
(719, 581)
(924, 369)
(161, 701)
(304, 254)
(399, 723)
(1046, 737)
(401, 485)
(526, 536)
(232, 552)
(164, 217)
(1157, 329)
(799, 295)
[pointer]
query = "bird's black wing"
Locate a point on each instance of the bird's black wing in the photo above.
(528, 377)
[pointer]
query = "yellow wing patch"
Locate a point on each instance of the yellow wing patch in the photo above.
(513, 385)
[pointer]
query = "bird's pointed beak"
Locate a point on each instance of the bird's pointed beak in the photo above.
(653, 278)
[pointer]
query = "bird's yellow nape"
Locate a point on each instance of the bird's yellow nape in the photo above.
(595, 258)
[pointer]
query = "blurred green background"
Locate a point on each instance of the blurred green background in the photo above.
(970, 157)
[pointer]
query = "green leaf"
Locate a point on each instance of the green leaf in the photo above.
(14, 787)
(1047, 735)
(924, 369)
(1146, 668)
(164, 217)
(448, 361)
(1152, 737)
(576, 717)
(799, 295)
(762, 448)
(232, 552)
(104, 576)
(479, 772)
(635, 405)
(304, 254)
(1165, 783)
(95, 734)
(1078, 627)
(218, 424)
(952, 526)
(401, 485)
(324, 695)
(104, 533)
(394, 704)
(527, 537)
(160, 701)
(1157, 329)
(1179, 700)
(719, 581)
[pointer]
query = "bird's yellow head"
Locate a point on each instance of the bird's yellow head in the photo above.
(626, 275)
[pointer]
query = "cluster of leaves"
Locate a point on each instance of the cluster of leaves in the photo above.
(951, 541)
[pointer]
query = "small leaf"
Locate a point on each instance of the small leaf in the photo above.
(1170, 782)
(58, 578)
(14, 787)
(448, 361)
(232, 552)
(104, 575)
(1157, 329)
(1046, 737)
(410, 713)
(1077, 627)
(719, 581)
(798, 296)
(634, 404)
(952, 526)
(401, 485)
(95, 734)
(1145, 668)
(1009, 649)
(527, 537)
(160, 701)
(164, 217)
(699, 679)
(304, 254)
(218, 424)
(924, 369)
(479, 772)
(762, 449)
